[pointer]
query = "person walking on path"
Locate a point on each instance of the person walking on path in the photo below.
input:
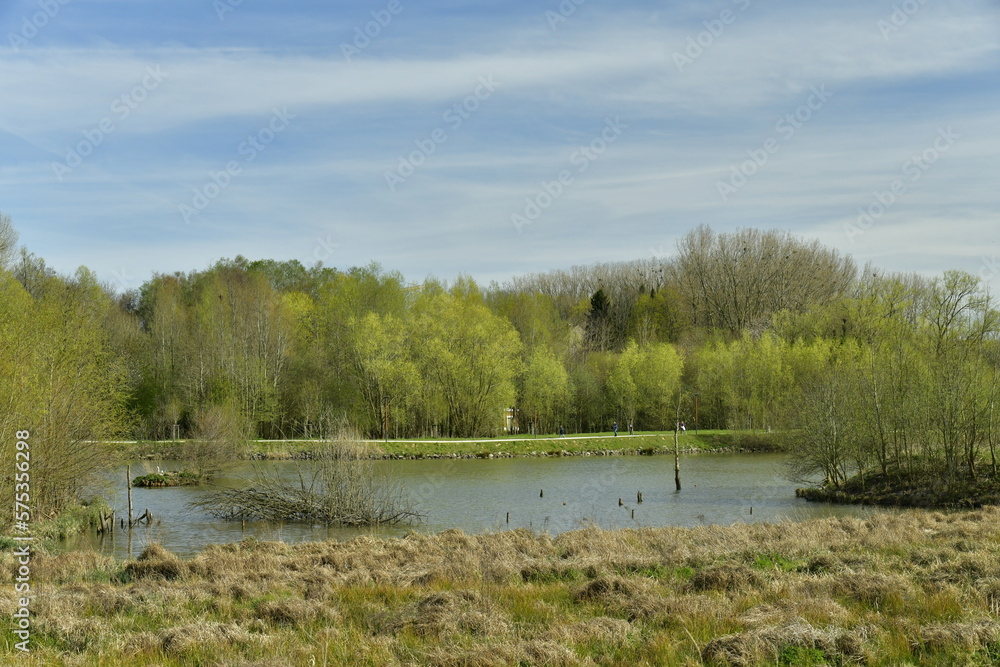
(630, 428)
(615, 428)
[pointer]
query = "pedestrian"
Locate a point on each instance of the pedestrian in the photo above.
(630, 428)
(683, 426)
(562, 431)
(615, 428)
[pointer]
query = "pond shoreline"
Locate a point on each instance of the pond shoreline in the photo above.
(647, 444)
(309, 455)
(919, 491)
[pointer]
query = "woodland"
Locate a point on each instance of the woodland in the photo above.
(871, 374)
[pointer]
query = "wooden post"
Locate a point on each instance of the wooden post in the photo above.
(677, 459)
(677, 446)
(128, 483)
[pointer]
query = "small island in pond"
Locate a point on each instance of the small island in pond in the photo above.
(171, 478)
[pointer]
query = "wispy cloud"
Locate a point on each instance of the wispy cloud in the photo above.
(323, 177)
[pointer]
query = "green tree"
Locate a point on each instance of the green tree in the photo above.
(469, 358)
(384, 370)
(66, 384)
(622, 384)
(547, 388)
(658, 380)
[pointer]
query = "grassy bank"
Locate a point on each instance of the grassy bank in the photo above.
(918, 588)
(543, 445)
(920, 488)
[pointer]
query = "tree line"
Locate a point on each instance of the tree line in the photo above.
(749, 329)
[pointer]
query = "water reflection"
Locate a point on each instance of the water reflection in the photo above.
(543, 494)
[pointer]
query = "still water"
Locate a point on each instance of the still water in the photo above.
(543, 494)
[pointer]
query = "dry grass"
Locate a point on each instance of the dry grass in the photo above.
(919, 588)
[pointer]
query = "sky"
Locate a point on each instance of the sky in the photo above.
(496, 139)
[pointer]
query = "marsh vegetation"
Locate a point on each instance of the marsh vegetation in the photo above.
(917, 588)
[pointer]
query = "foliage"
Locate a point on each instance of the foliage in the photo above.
(469, 359)
(751, 330)
(61, 381)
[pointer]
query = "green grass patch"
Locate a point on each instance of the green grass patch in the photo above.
(645, 442)
(607, 597)
(768, 562)
(800, 656)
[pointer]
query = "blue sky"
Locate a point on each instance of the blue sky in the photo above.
(496, 138)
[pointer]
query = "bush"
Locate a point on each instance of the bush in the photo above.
(220, 438)
(340, 486)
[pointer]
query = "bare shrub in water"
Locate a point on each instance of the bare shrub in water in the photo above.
(220, 438)
(341, 486)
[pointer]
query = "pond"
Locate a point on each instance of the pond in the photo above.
(542, 494)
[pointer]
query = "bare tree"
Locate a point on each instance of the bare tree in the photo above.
(737, 280)
(8, 240)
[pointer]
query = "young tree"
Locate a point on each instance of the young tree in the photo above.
(469, 357)
(384, 370)
(220, 438)
(622, 384)
(547, 387)
(657, 376)
(65, 384)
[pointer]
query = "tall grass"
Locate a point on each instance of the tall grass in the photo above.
(919, 588)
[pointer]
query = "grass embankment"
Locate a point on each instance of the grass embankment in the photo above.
(918, 588)
(543, 445)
